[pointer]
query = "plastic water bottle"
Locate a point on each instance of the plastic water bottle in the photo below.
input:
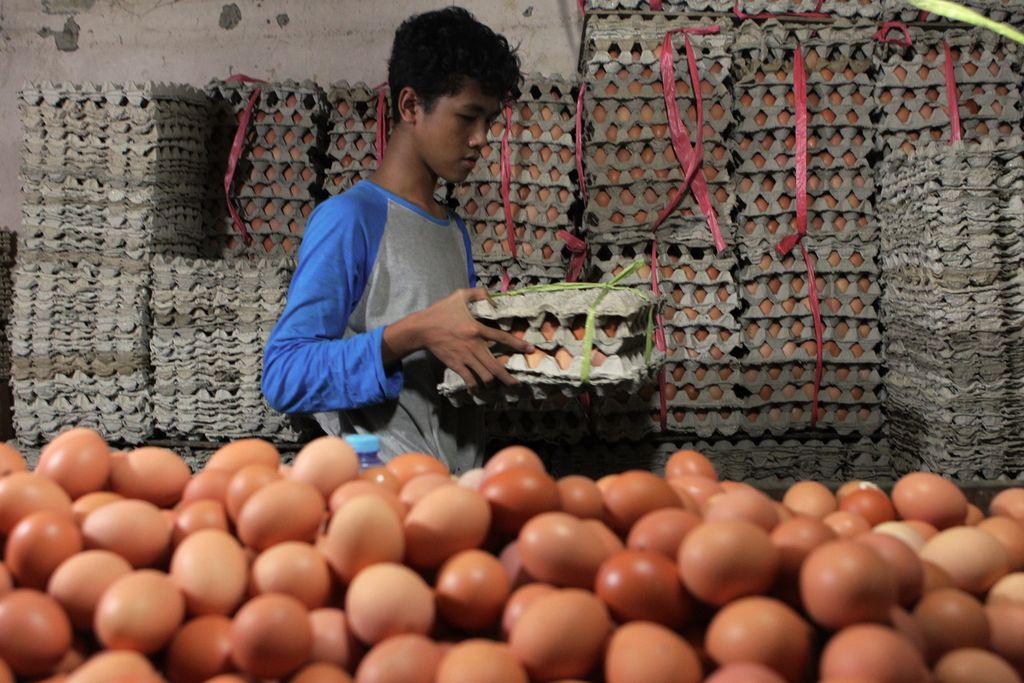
(366, 447)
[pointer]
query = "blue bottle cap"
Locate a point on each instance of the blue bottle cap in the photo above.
(364, 443)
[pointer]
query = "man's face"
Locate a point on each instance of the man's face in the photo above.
(449, 136)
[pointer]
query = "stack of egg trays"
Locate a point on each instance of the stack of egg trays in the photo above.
(7, 250)
(112, 168)
(351, 135)
(630, 167)
(279, 175)
(849, 9)
(542, 188)
(211, 320)
(621, 355)
(953, 247)
(838, 60)
(1007, 11)
(721, 6)
(912, 96)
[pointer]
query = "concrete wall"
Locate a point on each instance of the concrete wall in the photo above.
(192, 41)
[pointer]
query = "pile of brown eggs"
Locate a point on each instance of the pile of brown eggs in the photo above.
(122, 567)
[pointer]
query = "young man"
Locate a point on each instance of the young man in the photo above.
(378, 304)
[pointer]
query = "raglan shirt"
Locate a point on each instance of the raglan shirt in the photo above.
(369, 258)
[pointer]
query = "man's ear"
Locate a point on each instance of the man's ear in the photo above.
(408, 104)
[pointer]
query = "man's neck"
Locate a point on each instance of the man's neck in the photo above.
(403, 174)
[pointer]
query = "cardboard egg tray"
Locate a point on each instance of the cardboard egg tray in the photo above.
(555, 322)
(493, 275)
(275, 226)
(563, 421)
(765, 232)
(631, 168)
(911, 91)
(351, 152)
(667, 5)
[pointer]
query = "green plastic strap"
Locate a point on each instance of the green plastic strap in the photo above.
(957, 12)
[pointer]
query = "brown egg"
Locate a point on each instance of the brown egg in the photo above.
(134, 529)
(11, 460)
(518, 493)
(321, 672)
(561, 635)
(662, 531)
(79, 581)
(846, 524)
(207, 485)
(326, 463)
(810, 498)
(271, 636)
(382, 477)
(1009, 503)
(293, 568)
(359, 487)
(558, 548)
(108, 666)
(363, 532)
(201, 649)
(472, 479)
(903, 622)
(950, 618)
(237, 454)
(844, 582)
(642, 585)
(698, 488)
(6, 675)
(210, 569)
(642, 651)
(744, 672)
(512, 456)
(245, 482)
(196, 516)
(874, 653)
(78, 460)
(6, 582)
(281, 511)
(721, 561)
(904, 562)
(744, 504)
(91, 501)
(156, 475)
(687, 462)
(924, 529)
(795, 538)
(604, 482)
(408, 465)
(480, 661)
(580, 497)
(418, 487)
(904, 532)
(611, 542)
(471, 590)
(388, 599)
(512, 563)
(761, 630)
(445, 521)
(1010, 534)
(333, 642)
(1006, 623)
(929, 498)
(871, 504)
(406, 658)
(974, 515)
(34, 632)
(38, 544)
(935, 577)
(852, 486)
(970, 665)
(1010, 588)
(632, 495)
(23, 493)
(139, 611)
(974, 558)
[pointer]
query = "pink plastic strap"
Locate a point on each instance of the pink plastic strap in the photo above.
(690, 156)
(952, 96)
(236, 153)
(883, 33)
(579, 142)
(659, 337)
(656, 5)
(506, 281)
(583, 7)
(578, 249)
(506, 181)
(382, 121)
(815, 14)
(786, 245)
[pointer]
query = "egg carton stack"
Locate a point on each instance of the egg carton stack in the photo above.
(279, 173)
(111, 175)
(632, 171)
(912, 91)
(211, 320)
(778, 347)
(555, 374)
(542, 189)
(667, 5)
(953, 240)
(353, 122)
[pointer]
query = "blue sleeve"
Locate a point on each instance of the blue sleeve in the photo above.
(469, 252)
(307, 365)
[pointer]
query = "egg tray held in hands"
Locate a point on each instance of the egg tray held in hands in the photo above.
(596, 336)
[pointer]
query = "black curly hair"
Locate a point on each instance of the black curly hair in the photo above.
(435, 53)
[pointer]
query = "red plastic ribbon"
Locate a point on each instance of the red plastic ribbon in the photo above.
(659, 337)
(785, 246)
(656, 5)
(952, 96)
(236, 152)
(816, 13)
(579, 142)
(382, 122)
(883, 33)
(583, 7)
(690, 156)
(578, 249)
(506, 181)
(506, 281)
